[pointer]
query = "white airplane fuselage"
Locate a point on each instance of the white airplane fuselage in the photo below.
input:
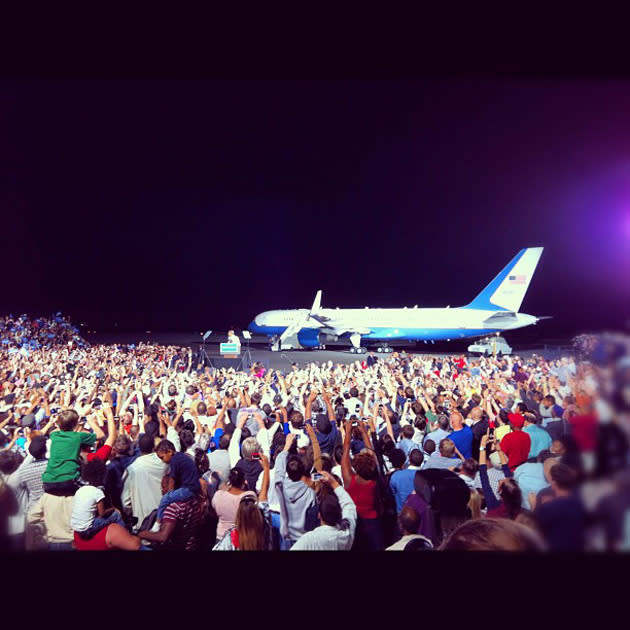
(396, 323)
(493, 310)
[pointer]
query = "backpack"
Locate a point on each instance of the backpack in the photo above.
(311, 520)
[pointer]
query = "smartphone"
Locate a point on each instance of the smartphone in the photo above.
(316, 476)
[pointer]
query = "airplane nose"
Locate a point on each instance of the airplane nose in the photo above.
(258, 321)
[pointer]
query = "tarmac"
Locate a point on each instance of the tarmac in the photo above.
(282, 360)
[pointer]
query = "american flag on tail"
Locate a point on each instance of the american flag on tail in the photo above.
(517, 279)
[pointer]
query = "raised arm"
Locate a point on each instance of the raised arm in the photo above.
(98, 432)
(329, 407)
(309, 404)
(388, 422)
(264, 486)
(491, 500)
(346, 468)
(234, 450)
(504, 460)
(111, 426)
(317, 451)
(262, 436)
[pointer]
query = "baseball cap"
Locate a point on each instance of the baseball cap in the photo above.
(516, 420)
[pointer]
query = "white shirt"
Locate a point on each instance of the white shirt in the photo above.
(274, 504)
(84, 508)
(351, 406)
(208, 421)
(328, 538)
(234, 339)
(142, 485)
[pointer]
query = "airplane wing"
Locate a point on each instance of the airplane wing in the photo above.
(328, 325)
(338, 326)
(293, 329)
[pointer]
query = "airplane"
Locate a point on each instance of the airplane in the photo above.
(494, 310)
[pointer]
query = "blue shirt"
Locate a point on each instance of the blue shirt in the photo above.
(401, 483)
(463, 440)
(184, 471)
(406, 445)
(540, 439)
(530, 478)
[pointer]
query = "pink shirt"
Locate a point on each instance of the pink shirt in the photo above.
(226, 506)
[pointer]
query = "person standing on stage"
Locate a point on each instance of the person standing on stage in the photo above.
(232, 338)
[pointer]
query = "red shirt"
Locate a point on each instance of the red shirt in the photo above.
(96, 543)
(363, 495)
(516, 446)
(100, 453)
(584, 431)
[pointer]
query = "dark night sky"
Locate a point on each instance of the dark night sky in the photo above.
(183, 205)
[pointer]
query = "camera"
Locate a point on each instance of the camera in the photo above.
(316, 476)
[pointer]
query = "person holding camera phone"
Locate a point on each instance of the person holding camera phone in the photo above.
(338, 517)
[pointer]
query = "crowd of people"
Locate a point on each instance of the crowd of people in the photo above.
(143, 448)
(24, 334)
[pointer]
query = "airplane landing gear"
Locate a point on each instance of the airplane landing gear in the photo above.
(356, 348)
(384, 348)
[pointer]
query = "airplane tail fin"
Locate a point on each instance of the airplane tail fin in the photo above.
(507, 290)
(317, 302)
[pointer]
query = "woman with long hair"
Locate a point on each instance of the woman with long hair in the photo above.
(252, 529)
(227, 498)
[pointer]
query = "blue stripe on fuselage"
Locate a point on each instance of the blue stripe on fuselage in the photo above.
(406, 334)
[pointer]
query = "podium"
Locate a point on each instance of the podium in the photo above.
(230, 350)
(229, 356)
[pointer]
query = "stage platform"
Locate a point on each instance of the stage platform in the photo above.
(282, 360)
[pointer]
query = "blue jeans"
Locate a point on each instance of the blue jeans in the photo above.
(100, 523)
(369, 536)
(275, 531)
(67, 546)
(181, 494)
(279, 542)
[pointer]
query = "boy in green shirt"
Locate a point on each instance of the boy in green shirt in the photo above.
(63, 470)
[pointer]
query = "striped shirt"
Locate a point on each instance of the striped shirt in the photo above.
(494, 476)
(187, 518)
(30, 478)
